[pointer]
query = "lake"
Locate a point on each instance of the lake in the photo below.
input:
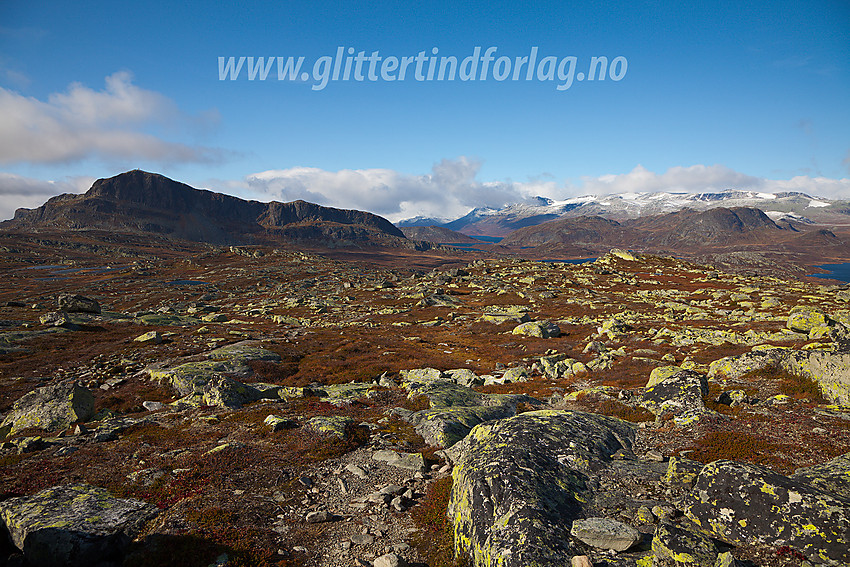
(836, 271)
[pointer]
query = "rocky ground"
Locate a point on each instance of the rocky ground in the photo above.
(194, 405)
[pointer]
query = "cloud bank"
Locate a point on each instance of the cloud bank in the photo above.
(451, 189)
(84, 123)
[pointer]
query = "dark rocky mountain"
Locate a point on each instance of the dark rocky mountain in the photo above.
(687, 231)
(438, 234)
(720, 226)
(138, 201)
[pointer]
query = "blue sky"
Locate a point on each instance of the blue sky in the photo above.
(716, 95)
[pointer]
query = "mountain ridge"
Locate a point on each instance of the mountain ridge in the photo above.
(139, 201)
(792, 206)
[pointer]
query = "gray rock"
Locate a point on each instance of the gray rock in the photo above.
(51, 408)
(278, 423)
(362, 539)
(73, 525)
(153, 406)
(407, 461)
(680, 394)
(318, 516)
(389, 560)
(149, 337)
(604, 533)
(356, 471)
(227, 392)
(57, 319)
(539, 329)
(77, 303)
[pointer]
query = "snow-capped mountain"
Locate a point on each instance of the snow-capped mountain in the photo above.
(790, 207)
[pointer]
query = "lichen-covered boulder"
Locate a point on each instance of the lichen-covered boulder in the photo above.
(464, 377)
(803, 320)
(519, 483)
(661, 373)
(51, 408)
(678, 545)
(455, 409)
(746, 504)
(73, 525)
(832, 476)
(831, 371)
(679, 394)
(498, 314)
(539, 329)
(77, 303)
(423, 375)
(335, 425)
(733, 367)
(558, 365)
(229, 393)
(443, 427)
(191, 377)
(243, 352)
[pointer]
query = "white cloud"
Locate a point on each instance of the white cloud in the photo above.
(450, 190)
(17, 191)
(83, 123)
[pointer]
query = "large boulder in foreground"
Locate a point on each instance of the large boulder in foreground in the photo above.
(51, 408)
(519, 484)
(73, 525)
(745, 504)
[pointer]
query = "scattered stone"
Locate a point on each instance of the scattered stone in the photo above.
(278, 423)
(604, 533)
(149, 337)
(362, 539)
(318, 516)
(356, 471)
(680, 394)
(806, 319)
(581, 561)
(57, 319)
(153, 406)
(330, 425)
(539, 329)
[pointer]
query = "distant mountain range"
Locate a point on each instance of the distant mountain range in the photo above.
(782, 208)
(147, 204)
